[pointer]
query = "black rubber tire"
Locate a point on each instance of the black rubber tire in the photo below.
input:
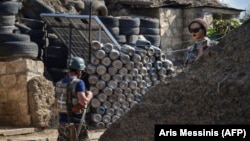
(42, 43)
(129, 23)
(9, 7)
(109, 21)
(8, 29)
(33, 23)
(57, 52)
(56, 56)
(142, 43)
(42, 7)
(16, 49)
(149, 31)
(34, 33)
(149, 23)
(40, 54)
(131, 39)
(129, 31)
(7, 20)
(56, 62)
(154, 39)
(57, 74)
(114, 30)
(121, 39)
(22, 27)
(55, 42)
(14, 37)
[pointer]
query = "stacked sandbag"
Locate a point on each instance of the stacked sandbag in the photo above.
(120, 77)
(14, 44)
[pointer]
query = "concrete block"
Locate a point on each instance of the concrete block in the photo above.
(34, 66)
(8, 80)
(21, 79)
(16, 131)
(16, 66)
(21, 120)
(3, 95)
(16, 108)
(2, 68)
(18, 93)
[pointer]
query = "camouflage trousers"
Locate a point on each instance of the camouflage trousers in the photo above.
(64, 133)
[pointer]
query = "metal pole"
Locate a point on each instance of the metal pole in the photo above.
(69, 44)
(90, 30)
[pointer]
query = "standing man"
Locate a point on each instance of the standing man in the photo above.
(71, 101)
(198, 29)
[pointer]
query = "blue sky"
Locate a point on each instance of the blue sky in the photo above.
(239, 4)
(242, 4)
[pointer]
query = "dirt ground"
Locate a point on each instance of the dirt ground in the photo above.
(48, 134)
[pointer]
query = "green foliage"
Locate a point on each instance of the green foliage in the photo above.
(220, 28)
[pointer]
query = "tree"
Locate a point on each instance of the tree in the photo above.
(220, 28)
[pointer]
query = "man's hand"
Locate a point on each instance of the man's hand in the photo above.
(84, 99)
(77, 107)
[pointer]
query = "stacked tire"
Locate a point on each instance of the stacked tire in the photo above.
(126, 30)
(112, 24)
(12, 43)
(36, 30)
(56, 58)
(51, 50)
(129, 29)
(149, 28)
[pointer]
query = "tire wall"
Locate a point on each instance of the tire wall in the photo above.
(13, 43)
(131, 29)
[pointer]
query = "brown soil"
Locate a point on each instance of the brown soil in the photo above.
(215, 90)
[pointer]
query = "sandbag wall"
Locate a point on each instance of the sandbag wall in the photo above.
(120, 77)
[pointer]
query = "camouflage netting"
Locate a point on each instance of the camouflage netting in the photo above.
(41, 101)
(215, 90)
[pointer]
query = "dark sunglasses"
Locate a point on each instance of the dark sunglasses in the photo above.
(194, 30)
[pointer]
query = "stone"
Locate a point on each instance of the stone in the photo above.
(8, 80)
(2, 68)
